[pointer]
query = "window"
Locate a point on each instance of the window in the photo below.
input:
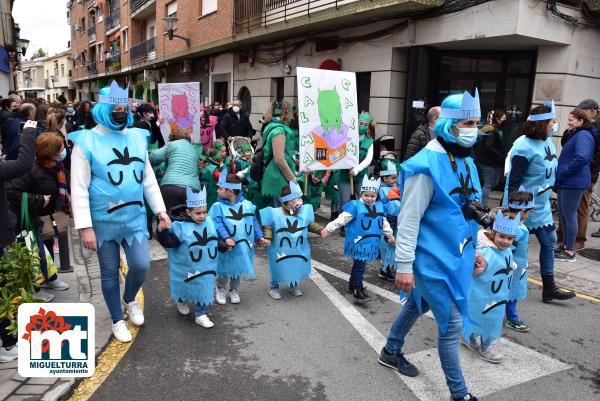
(62, 70)
(70, 73)
(172, 9)
(99, 13)
(325, 44)
(48, 97)
(208, 6)
(125, 39)
(363, 90)
(277, 88)
(101, 51)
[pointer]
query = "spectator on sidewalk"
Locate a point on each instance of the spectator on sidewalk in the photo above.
(235, 123)
(573, 178)
(147, 120)
(11, 137)
(422, 135)
(489, 152)
(7, 114)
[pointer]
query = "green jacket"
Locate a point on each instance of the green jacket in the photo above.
(181, 160)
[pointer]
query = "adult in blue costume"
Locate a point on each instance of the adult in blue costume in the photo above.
(110, 177)
(533, 165)
(435, 244)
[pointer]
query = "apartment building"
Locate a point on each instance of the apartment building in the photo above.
(58, 71)
(407, 54)
(12, 47)
(31, 79)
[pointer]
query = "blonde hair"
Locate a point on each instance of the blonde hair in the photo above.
(286, 112)
(55, 119)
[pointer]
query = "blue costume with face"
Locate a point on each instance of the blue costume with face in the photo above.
(289, 253)
(539, 178)
(364, 232)
(392, 209)
(117, 161)
(489, 293)
(193, 264)
(238, 219)
(520, 246)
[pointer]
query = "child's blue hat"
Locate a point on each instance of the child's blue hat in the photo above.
(195, 198)
(544, 116)
(506, 225)
(296, 193)
(369, 185)
(228, 185)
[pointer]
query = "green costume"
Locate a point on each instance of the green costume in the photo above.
(273, 179)
(365, 144)
(205, 175)
(314, 191)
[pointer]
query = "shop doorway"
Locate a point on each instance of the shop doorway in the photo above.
(221, 92)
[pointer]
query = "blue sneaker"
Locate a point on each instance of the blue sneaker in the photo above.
(398, 362)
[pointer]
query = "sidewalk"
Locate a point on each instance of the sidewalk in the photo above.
(84, 284)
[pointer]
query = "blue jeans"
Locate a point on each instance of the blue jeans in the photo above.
(547, 238)
(491, 178)
(201, 310)
(568, 203)
(138, 261)
(357, 274)
(485, 344)
(511, 311)
(448, 342)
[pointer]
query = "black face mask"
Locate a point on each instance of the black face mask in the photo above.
(119, 118)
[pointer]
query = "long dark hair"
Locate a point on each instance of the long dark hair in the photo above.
(537, 129)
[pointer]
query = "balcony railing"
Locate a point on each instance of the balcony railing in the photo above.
(253, 14)
(91, 68)
(91, 32)
(143, 51)
(137, 4)
(113, 63)
(113, 19)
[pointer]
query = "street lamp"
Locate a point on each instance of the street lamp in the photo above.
(170, 24)
(22, 44)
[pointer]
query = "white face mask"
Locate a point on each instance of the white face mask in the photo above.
(236, 109)
(466, 137)
(554, 129)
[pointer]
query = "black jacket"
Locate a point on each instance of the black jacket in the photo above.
(156, 135)
(417, 141)
(5, 118)
(231, 125)
(11, 169)
(595, 163)
(489, 150)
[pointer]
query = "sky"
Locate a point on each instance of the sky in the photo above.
(44, 23)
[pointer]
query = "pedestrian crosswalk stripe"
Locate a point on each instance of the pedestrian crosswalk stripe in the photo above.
(520, 364)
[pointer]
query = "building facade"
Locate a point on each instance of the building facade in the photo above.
(31, 79)
(408, 55)
(58, 72)
(12, 47)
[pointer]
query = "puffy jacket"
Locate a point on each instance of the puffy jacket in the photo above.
(181, 161)
(573, 170)
(417, 141)
(231, 125)
(489, 150)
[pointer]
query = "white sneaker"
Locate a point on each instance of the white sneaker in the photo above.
(183, 308)
(136, 315)
(274, 293)
(220, 297)
(121, 331)
(204, 321)
(234, 296)
(295, 291)
(57, 285)
(8, 355)
(46, 296)
(491, 355)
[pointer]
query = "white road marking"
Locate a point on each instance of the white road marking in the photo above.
(520, 364)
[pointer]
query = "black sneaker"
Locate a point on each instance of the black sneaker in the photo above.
(468, 397)
(360, 293)
(386, 275)
(565, 256)
(398, 362)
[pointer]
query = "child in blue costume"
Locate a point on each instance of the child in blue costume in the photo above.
(389, 196)
(110, 177)
(235, 219)
(365, 226)
(193, 244)
(287, 228)
(491, 287)
(435, 249)
(519, 201)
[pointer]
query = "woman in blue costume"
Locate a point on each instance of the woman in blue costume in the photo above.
(533, 164)
(287, 228)
(435, 245)
(193, 244)
(110, 177)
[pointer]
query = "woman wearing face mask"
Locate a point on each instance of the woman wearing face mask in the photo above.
(147, 120)
(71, 116)
(84, 118)
(533, 165)
(46, 188)
(573, 178)
(110, 178)
(435, 244)
(489, 152)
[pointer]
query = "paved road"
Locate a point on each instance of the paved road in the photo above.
(322, 346)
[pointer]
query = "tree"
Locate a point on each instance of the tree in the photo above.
(39, 53)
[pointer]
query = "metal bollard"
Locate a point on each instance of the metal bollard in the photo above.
(63, 253)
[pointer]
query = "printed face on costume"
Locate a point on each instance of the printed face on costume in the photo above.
(197, 214)
(289, 238)
(500, 284)
(203, 249)
(503, 241)
(122, 169)
(239, 227)
(368, 197)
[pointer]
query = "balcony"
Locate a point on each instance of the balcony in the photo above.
(91, 32)
(91, 68)
(142, 9)
(113, 63)
(145, 51)
(112, 20)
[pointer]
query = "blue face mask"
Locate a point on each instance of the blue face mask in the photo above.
(70, 110)
(555, 129)
(466, 137)
(63, 154)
